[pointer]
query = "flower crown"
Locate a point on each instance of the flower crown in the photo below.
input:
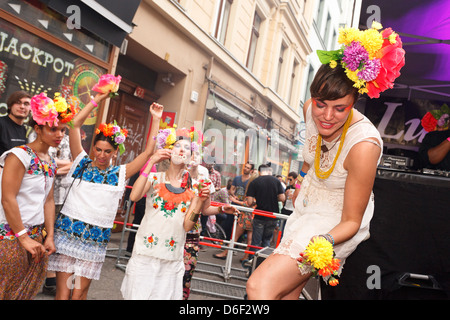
(437, 119)
(167, 137)
(117, 134)
(372, 59)
(50, 112)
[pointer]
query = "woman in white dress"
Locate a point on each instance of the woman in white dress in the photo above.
(174, 202)
(83, 227)
(341, 154)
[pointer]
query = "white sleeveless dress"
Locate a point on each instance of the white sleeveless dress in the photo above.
(324, 199)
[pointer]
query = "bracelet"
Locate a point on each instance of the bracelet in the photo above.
(330, 238)
(448, 139)
(194, 216)
(20, 233)
(302, 174)
(144, 174)
(297, 186)
(221, 209)
(94, 103)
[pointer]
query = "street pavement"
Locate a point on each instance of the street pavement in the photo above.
(108, 287)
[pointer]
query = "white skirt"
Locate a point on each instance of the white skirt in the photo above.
(149, 278)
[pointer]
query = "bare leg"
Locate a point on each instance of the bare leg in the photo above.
(278, 277)
(63, 285)
(81, 288)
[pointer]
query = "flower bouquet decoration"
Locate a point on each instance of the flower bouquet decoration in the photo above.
(437, 119)
(117, 134)
(49, 112)
(372, 59)
(319, 255)
(108, 83)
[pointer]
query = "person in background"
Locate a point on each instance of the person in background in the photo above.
(266, 190)
(63, 160)
(12, 130)
(288, 204)
(434, 152)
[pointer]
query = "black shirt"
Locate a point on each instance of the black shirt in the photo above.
(11, 134)
(431, 140)
(265, 189)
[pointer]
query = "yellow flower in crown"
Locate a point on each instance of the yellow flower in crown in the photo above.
(60, 103)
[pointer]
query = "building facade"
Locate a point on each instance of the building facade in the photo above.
(231, 67)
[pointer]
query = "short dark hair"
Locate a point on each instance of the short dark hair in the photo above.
(251, 164)
(332, 84)
(15, 97)
(293, 174)
(263, 166)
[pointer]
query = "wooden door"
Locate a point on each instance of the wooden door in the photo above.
(131, 113)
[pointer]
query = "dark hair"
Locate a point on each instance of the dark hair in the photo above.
(332, 84)
(101, 137)
(15, 97)
(262, 167)
(293, 174)
(251, 164)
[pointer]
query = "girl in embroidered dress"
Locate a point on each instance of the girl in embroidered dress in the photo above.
(341, 154)
(156, 267)
(83, 228)
(27, 202)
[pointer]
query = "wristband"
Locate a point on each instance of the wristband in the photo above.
(448, 139)
(94, 103)
(144, 174)
(297, 186)
(194, 216)
(302, 174)
(20, 233)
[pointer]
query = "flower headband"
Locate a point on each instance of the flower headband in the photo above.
(48, 111)
(437, 119)
(117, 134)
(372, 59)
(167, 137)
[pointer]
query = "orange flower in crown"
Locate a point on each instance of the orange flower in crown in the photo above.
(117, 134)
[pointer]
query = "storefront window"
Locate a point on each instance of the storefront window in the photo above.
(33, 64)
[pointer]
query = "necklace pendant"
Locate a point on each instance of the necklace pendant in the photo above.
(324, 148)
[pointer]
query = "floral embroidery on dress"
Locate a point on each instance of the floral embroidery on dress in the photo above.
(171, 244)
(109, 176)
(82, 230)
(38, 166)
(151, 241)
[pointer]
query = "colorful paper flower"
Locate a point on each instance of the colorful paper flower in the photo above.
(114, 131)
(108, 83)
(371, 58)
(44, 110)
(436, 119)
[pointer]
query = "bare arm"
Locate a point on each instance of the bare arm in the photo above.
(361, 164)
(134, 166)
(142, 185)
(13, 173)
(438, 153)
(74, 133)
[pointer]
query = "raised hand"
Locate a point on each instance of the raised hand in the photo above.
(156, 110)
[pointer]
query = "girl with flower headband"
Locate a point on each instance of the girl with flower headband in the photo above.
(83, 227)
(174, 201)
(335, 202)
(27, 201)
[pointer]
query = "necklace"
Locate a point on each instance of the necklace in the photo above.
(325, 174)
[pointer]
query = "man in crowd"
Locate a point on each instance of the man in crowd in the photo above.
(266, 190)
(12, 130)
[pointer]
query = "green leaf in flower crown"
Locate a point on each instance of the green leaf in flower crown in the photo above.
(121, 149)
(445, 109)
(326, 57)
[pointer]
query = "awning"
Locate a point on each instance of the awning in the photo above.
(110, 20)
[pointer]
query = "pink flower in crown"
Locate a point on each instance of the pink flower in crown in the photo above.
(107, 83)
(43, 110)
